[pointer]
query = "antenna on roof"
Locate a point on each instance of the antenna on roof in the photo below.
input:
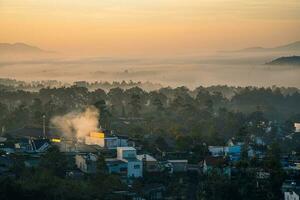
(44, 126)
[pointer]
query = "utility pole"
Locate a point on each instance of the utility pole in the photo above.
(44, 126)
(2, 130)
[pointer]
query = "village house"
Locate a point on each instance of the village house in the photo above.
(217, 164)
(233, 151)
(126, 163)
(178, 165)
(116, 166)
(106, 139)
(216, 150)
(149, 162)
(291, 195)
(262, 174)
(291, 189)
(87, 163)
(233, 142)
(291, 164)
(174, 166)
(32, 145)
(297, 127)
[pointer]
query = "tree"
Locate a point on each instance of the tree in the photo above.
(184, 143)
(135, 104)
(158, 104)
(161, 143)
(98, 94)
(217, 187)
(54, 161)
(19, 117)
(3, 115)
(242, 134)
(277, 175)
(116, 96)
(101, 165)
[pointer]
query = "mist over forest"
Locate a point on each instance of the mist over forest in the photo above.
(238, 68)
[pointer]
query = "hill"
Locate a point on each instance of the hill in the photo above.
(291, 47)
(291, 60)
(20, 48)
(295, 46)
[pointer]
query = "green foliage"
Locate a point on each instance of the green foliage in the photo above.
(217, 187)
(101, 165)
(135, 105)
(184, 142)
(54, 161)
(49, 182)
(161, 143)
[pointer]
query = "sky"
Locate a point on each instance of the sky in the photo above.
(149, 27)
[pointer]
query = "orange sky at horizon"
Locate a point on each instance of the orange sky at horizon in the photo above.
(157, 27)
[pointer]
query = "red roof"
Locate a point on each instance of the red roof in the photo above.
(215, 161)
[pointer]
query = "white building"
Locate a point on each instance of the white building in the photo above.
(126, 152)
(134, 168)
(87, 163)
(291, 195)
(297, 127)
(150, 162)
(216, 150)
(178, 165)
(126, 163)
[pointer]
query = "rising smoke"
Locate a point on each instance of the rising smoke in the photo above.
(77, 124)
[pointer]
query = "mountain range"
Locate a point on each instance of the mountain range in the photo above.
(20, 48)
(291, 47)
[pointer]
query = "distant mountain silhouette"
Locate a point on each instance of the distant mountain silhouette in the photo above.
(291, 60)
(295, 46)
(292, 47)
(20, 48)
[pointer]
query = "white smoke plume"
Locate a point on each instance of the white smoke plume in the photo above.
(77, 124)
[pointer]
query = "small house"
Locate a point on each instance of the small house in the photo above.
(87, 163)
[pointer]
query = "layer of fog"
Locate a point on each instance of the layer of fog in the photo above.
(230, 69)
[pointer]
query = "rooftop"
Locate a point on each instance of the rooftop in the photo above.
(147, 156)
(111, 161)
(126, 148)
(89, 156)
(178, 161)
(215, 161)
(131, 160)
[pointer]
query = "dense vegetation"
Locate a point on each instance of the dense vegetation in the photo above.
(202, 113)
(48, 181)
(167, 119)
